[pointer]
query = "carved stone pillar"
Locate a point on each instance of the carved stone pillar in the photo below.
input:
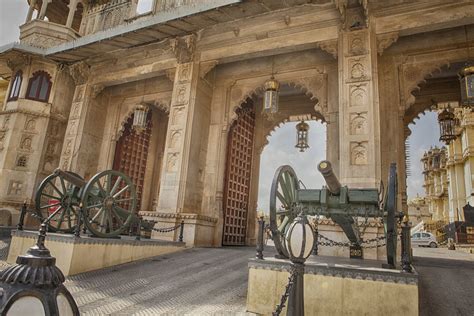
(359, 129)
(44, 7)
(72, 10)
(85, 126)
(31, 9)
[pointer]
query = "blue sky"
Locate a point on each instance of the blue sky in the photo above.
(280, 150)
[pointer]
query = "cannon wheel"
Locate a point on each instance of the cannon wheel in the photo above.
(390, 221)
(61, 199)
(108, 203)
(282, 205)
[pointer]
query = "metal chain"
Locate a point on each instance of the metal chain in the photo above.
(166, 230)
(332, 243)
(284, 297)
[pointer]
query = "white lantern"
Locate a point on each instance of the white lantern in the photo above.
(270, 102)
(140, 117)
(299, 239)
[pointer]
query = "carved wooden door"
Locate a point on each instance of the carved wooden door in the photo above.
(131, 153)
(238, 172)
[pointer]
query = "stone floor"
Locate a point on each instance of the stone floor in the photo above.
(213, 281)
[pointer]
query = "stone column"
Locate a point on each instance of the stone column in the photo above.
(359, 129)
(44, 7)
(84, 131)
(72, 10)
(30, 11)
(181, 188)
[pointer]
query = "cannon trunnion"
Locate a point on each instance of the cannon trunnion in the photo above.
(339, 203)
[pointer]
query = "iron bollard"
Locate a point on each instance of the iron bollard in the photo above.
(139, 230)
(316, 236)
(181, 231)
(22, 217)
(261, 228)
(406, 247)
(77, 231)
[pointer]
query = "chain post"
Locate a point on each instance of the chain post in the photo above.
(22, 217)
(181, 231)
(261, 228)
(316, 236)
(139, 229)
(77, 231)
(406, 246)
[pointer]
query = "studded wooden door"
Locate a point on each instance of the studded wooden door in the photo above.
(131, 153)
(238, 172)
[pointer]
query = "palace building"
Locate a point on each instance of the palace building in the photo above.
(174, 97)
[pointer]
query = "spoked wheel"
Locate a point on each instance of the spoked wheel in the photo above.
(108, 203)
(390, 221)
(282, 205)
(57, 199)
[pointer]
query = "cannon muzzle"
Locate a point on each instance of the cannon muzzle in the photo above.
(333, 184)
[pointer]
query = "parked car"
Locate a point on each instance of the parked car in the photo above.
(424, 240)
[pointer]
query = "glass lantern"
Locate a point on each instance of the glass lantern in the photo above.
(300, 239)
(140, 118)
(270, 100)
(466, 78)
(447, 126)
(302, 129)
(34, 286)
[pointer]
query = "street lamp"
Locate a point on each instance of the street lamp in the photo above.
(299, 244)
(34, 286)
(447, 126)
(466, 78)
(302, 129)
(140, 117)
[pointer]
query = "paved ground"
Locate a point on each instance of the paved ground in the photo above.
(446, 282)
(213, 281)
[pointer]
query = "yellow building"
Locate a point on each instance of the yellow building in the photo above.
(448, 172)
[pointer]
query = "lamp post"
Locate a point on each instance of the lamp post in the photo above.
(300, 240)
(34, 286)
(302, 129)
(466, 78)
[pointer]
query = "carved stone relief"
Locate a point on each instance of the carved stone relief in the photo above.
(175, 139)
(358, 69)
(30, 125)
(178, 116)
(22, 161)
(183, 48)
(181, 94)
(358, 95)
(184, 72)
(358, 124)
(79, 94)
(25, 143)
(75, 109)
(6, 122)
(72, 128)
(79, 72)
(384, 41)
(171, 165)
(359, 153)
(357, 46)
(2, 140)
(15, 187)
(329, 47)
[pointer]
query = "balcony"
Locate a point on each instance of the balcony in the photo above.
(46, 34)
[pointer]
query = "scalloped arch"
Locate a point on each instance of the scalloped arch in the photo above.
(251, 91)
(159, 105)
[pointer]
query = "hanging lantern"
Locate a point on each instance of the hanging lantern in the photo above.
(447, 126)
(302, 129)
(270, 101)
(466, 77)
(139, 117)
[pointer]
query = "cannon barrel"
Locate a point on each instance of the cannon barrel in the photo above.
(332, 182)
(69, 176)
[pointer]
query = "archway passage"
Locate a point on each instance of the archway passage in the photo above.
(238, 175)
(131, 154)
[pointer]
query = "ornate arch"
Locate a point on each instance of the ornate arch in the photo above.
(162, 105)
(315, 87)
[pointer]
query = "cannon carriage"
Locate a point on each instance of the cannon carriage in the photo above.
(105, 204)
(339, 203)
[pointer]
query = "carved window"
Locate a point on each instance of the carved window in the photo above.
(22, 161)
(39, 87)
(15, 87)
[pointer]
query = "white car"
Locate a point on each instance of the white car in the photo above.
(424, 239)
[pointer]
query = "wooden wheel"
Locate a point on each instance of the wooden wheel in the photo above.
(108, 203)
(390, 217)
(282, 205)
(60, 199)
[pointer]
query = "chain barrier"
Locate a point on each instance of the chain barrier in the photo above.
(284, 297)
(332, 243)
(167, 229)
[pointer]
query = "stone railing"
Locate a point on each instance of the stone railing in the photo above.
(165, 5)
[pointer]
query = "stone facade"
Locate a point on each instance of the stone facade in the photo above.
(365, 68)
